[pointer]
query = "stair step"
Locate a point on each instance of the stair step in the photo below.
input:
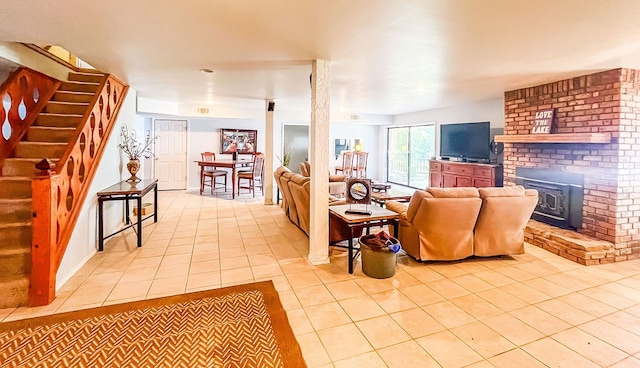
(50, 134)
(20, 167)
(79, 86)
(16, 235)
(58, 107)
(15, 210)
(86, 77)
(70, 96)
(14, 291)
(15, 187)
(58, 120)
(15, 262)
(40, 150)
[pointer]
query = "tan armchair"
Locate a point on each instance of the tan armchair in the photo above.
(438, 223)
(337, 184)
(502, 220)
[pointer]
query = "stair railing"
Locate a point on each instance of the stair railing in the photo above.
(22, 97)
(60, 192)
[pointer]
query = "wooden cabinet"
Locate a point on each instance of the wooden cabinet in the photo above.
(447, 174)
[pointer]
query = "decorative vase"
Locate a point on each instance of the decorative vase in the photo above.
(133, 166)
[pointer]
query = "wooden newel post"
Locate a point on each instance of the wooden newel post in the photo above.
(42, 288)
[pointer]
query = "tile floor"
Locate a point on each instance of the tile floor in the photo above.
(534, 310)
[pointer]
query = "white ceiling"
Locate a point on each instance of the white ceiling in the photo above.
(387, 57)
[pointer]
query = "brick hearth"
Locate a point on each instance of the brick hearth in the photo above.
(602, 102)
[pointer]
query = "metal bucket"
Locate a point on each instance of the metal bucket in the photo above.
(379, 264)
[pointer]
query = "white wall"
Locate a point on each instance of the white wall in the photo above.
(84, 240)
(489, 110)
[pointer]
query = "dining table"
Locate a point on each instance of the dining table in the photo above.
(227, 164)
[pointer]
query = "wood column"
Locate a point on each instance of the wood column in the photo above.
(267, 185)
(319, 204)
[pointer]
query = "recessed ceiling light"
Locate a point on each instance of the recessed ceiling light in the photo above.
(205, 70)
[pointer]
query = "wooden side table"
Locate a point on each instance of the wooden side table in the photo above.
(379, 216)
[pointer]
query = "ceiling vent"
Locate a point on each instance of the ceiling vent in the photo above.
(355, 117)
(203, 110)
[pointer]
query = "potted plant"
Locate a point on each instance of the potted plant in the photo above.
(134, 150)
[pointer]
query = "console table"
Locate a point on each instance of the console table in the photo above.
(449, 174)
(125, 191)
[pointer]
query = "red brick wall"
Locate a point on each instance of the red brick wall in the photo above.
(602, 102)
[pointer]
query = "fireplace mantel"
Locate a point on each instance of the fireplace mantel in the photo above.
(555, 138)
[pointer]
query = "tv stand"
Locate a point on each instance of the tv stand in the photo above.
(449, 174)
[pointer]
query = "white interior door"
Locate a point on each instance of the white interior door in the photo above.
(171, 154)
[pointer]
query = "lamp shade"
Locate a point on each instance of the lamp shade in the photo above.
(357, 145)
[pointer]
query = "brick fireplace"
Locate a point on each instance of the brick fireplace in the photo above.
(606, 102)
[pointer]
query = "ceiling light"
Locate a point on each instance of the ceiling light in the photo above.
(205, 70)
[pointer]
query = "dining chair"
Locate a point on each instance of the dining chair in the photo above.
(212, 173)
(254, 177)
(347, 164)
(360, 166)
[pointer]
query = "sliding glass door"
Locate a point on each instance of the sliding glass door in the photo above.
(408, 152)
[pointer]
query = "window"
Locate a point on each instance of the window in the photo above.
(408, 152)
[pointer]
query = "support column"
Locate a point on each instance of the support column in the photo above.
(319, 204)
(269, 108)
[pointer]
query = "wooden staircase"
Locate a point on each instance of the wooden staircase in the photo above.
(49, 137)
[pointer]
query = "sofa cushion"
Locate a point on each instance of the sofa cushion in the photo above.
(462, 192)
(512, 191)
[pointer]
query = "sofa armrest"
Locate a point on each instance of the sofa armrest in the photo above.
(333, 178)
(334, 201)
(396, 206)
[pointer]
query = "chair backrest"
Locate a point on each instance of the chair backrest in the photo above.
(305, 168)
(347, 161)
(258, 164)
(361, 160)
(209, 157)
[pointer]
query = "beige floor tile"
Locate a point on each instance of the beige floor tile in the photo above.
(417, 323)
(372, 286)
(629, 362)
(515, 357)
(12, 314)
(102, 279)
(345, 289)
(494, 278)
(368, 360)
(476, 306)
(212, 265)
(229, 263)
(448, 314)
(312, 350)
(267, 271)
(565, 312)
(482, 339)
(299, 321)
(613, 335)
(588, 305)
(382, 331)
(448, 289)
(130, 290)
(236, 276)
(448, 350)
(289, 300)
(513, 329)
(171, 271)
(313, 295)
(589, 347)
(168, 286)
(344, 341)
(361, 308)
(625, 320)
(526, 293)
(423, 273)
(407, 355)
(607, 297)
(421, 295)
(472, 283)
(203, 281)
(540, 320)
(547, 287)
(303, 280)
(145, 262)
(88, 296)
(502, 299)
(326, 315)
(393, 301)
(261, 258)
(554, 354)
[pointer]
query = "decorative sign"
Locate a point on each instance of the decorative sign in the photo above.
(359, 191)
(543, 122)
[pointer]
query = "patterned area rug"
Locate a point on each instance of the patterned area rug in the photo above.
(239, 326)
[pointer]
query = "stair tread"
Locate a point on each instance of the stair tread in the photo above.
(76, 92)
(83, 82)
(15, 224)
(43, 127)
(5, 252)
(43, 143)
(69, 103)
(61, 115)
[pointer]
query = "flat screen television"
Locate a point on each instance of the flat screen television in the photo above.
(465, 141)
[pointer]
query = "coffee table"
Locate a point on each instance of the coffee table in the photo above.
(379, 216)
(380, 187)
(382, 197)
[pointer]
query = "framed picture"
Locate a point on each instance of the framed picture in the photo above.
(358, 191)
(238, 140)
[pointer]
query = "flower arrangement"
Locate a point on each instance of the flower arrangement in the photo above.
(131, 147)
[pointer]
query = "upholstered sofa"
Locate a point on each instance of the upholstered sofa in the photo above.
(337, 184)
(295, 203)
(455, 223)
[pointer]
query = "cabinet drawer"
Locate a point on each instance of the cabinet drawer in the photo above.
(457, 169)
(435, 166)
(482, 172)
